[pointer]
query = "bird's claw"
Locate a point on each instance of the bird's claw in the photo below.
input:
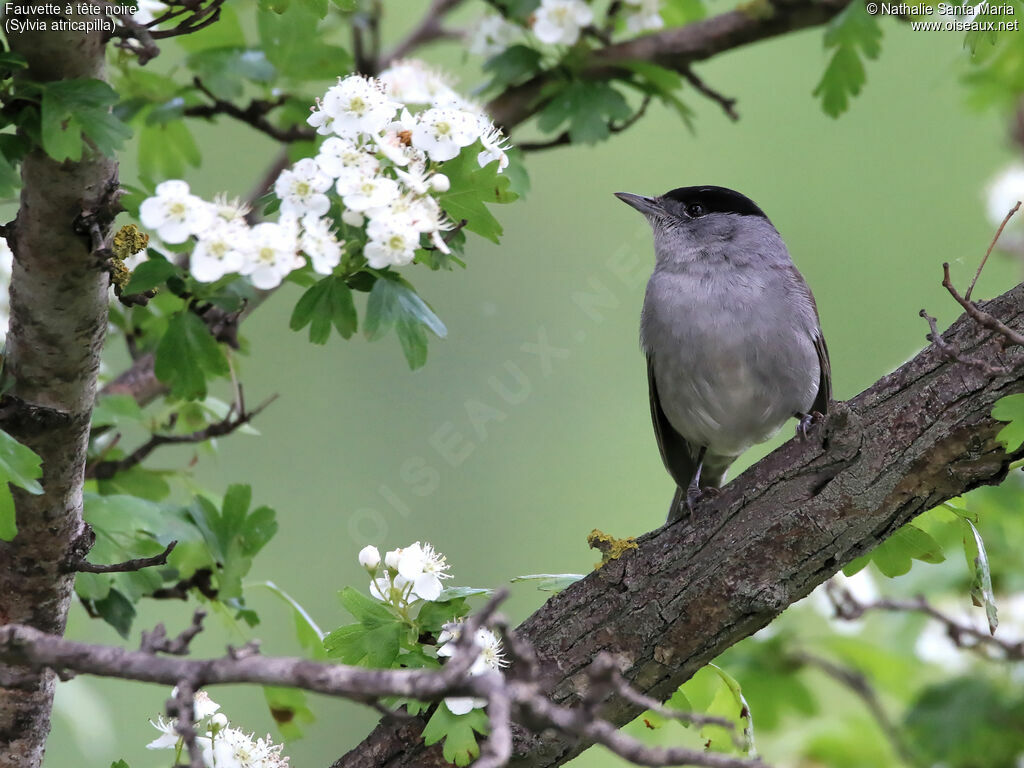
(808, 420)
(695, 493)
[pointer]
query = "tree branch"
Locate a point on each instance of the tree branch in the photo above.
(919, 436)
(254, 115)
(128, 566)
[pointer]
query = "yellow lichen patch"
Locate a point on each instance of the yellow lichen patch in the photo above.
(128, 241)
(609, 547)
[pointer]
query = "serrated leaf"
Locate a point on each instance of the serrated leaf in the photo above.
(550, 582)
(20, 466)
(359, 645)
(853, 33)
(117, 610)
(327, 302)
(224, 70)
(434, 615)
(116, 409)
(186, 355)
(472, 187)
(515, 63)
(70, 109)
(166, 149)
(740, 711)
(589, 107)
(393, 304)
(458, 732)
(981, 574)
(289, 38)
(367, 611)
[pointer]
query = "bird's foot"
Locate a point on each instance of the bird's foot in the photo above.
(695, 493)
(807, 420)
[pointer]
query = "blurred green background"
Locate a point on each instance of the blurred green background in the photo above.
(870, 206)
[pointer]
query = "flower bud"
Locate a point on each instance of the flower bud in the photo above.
(369, 557)
(391, 559)
(440, 183)
(218, 721)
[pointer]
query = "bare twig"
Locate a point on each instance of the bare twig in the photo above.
(156, 641)
(962, 635)
(984, 319)
(182, 707)
(950, 353)
(859, 685)
(127, 566)
(727, 103)
(105, 470)
(991, 245)
(254, 115)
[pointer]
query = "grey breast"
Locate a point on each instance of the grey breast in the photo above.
(732, 349)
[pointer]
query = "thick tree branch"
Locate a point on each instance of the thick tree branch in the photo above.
(676, 48)
(919, 436)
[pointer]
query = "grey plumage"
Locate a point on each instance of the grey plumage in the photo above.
(731, 333)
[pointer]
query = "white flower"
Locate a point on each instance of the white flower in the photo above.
(221, 250)
(320, 245)
(174, 212)
(495, 147)
(369, 557)
(490, 656)
(413, 82)
(389, 590)
(234, 210)
(424, 567)
(392, 245)
(417, 214)
(1004, 191)
(202, 705)
(273, 254)
(391, 558)
(301, 189)
(491, 35)
(358, 105)
(440, 183)
(368, 192)
(353, 218)
(559, 21)
(644, 16)
(343, 159)
(232, 748)
(395, 143)
(148, 10)
(321, 120)
(441, 133)
(168, 737)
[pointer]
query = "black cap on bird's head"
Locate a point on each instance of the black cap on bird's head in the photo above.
(688, 203)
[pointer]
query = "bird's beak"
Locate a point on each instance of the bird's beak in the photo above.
(646, 205)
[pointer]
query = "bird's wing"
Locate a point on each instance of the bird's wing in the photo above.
(675, 451)
(825, 381)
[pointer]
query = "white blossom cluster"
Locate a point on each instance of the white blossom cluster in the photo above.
(408, 574)
(491, 656)
(556, 22)
(379, 158)
(222, 745)
(1003, 193)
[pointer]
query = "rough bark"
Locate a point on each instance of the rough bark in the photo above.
(917, 437)
(58, 321)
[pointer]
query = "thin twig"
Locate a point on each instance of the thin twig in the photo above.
(128, 566)
(156, 641)
(950, 353)
(105, 470)
(859, 685)
(182, 708)
(982, 318)
(727, 103)
(254, 115)
(991, 245)
(428, 30)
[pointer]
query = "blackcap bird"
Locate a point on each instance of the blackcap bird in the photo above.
(731, 333)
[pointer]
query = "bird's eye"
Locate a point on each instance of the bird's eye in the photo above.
(695, 210)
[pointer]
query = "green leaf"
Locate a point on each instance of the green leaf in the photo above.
(117, 610)
(459, 733)
(853, 33)
(19, 465)
(453, 593)
(394, 304)
(471, 187)
(289, 708)
(367, 611)
(589, 106)
(186, 355)
(515, 63)
(223, 70)
(1010, 409)
(326, 303)
(550, 582)
(296, 49)
(307, 631)
(70, 109)
(739, 710)
(981, 574)
(119, 764)
(433, 616)
(116, 409)
(166, 149)
(8, 524)
(359, 645)
(150, 274)
(894, 555)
